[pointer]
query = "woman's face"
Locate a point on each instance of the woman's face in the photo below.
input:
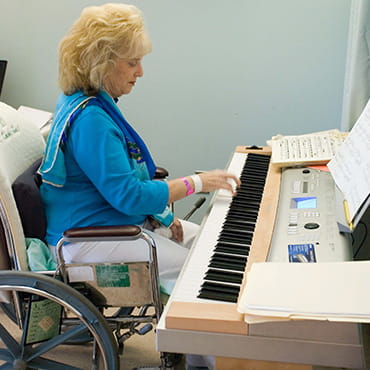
(122, 77)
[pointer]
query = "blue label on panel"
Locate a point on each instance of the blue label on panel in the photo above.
(301, 253)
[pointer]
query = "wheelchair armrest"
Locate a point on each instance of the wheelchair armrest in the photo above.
(160, 173)
(118, 232)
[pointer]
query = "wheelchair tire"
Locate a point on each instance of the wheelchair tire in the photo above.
(85, 317)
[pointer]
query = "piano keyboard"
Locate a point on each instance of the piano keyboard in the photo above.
(217, 261)
(226, 268)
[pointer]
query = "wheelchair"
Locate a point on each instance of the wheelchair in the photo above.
(98, 306)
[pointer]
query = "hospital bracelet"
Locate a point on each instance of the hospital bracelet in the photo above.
(189, 188)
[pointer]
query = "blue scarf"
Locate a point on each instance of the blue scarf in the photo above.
(52, 168)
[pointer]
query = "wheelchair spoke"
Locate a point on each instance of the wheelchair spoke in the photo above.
(7, 366)
(43, 363)
(9, 341)
(34, 352)
(5, 355)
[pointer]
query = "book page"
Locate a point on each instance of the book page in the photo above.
(350, 167)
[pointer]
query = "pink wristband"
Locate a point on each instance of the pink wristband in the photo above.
(189, 188)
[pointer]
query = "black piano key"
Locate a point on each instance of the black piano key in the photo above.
(244, 213)
(217, 291)
(217, 296)
(244, 205)
(235, 239)
(230, 231)
(250, 206)
(243, 218)
(225, 276)
(234, 222)
(241, 245)
(219, 287)
(248, 190)
(227, 264)
(235, 259)
(232, 250)
(234, 225)
(250, 179)
(248, 195)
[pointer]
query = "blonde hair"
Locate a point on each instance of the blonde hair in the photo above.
(100, 36)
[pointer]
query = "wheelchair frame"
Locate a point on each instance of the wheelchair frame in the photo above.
(88, 318)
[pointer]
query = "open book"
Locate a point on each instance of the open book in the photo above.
(315, 148)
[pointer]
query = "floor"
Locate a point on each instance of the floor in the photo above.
(139, 351)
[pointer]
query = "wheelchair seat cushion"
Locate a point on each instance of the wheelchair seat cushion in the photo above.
(27, 197)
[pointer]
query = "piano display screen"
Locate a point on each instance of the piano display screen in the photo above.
(303, 203)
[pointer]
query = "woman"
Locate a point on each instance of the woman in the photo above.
(96, 169)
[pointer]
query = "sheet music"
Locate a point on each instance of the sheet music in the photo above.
(318, 147)
(350, 167)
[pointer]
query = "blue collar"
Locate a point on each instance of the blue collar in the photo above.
(52, 168)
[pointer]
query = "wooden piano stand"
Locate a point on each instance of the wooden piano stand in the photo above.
(226, 363)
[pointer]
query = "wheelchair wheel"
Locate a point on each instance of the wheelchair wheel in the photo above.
(37, 342)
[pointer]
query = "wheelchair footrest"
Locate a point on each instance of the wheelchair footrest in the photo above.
(145, 329)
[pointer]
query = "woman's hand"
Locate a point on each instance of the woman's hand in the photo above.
(219, 179)
(211, 180)
(177, 231)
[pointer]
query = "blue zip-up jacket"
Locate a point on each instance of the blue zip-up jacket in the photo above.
(103, 184)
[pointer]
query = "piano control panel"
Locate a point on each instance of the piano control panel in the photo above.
(306, 228)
